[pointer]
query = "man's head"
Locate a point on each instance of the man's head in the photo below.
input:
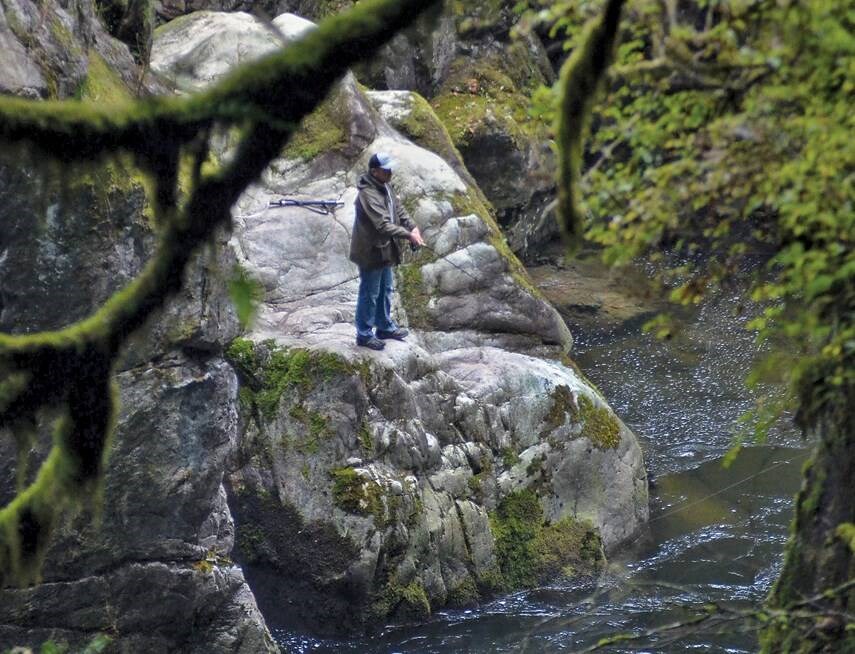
(380, 166)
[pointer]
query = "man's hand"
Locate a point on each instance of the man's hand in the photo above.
(416, 238)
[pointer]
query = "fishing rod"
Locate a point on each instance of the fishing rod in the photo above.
(322, 207)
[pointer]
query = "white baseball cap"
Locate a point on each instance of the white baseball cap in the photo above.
(382, 160)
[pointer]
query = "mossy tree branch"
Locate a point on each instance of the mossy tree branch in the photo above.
(579, 79)
(70, 371)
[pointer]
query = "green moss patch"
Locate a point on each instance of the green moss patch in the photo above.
(475, 484)
(321, 131)
(483, 96)
(355, 494)
(601, 427)
(846, 533)
(102, 85)
(422, 126)
(408, 602)
(562, 407)
(366, 442)
(316, 428)
(270, 372)
(414, 297)
(510, 457)
(530, 551)
(599, 424)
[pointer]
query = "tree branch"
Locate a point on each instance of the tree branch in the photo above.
(579, 79)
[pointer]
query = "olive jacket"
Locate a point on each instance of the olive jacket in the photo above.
(380, 220)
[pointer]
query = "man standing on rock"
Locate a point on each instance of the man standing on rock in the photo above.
(380, 220)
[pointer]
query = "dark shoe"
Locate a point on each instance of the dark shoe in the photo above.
(399, 334)
(371, 343)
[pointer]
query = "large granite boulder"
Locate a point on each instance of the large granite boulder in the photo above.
(375, 485)
(59, 49)
(152, 569)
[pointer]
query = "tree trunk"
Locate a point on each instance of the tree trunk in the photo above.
(810, 612)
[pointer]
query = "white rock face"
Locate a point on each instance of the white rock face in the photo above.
(198, 49)
(430, 434)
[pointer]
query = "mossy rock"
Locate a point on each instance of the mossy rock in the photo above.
(102, 85)
(424, 128)
(480, 97)
(530, 551)
(414, 296)
(464, 594)
(601, 427)
(322, 131)
(407, 603)
(563, 406)
(474, 202)
(354, 493)
(510, 457)
(130, 21)
(366, 441)
(474, 18)
(599, 424)
(316, 429)
(269, 372)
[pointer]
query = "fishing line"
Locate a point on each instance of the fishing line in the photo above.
(718, 492)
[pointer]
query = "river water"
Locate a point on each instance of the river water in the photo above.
(716, 534)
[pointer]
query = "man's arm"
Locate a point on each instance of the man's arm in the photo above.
(376, 211)
(403, 216)
(415, 236)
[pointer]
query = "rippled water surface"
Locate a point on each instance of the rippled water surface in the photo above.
(715, 534)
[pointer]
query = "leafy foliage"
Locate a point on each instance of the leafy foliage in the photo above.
(722, 145)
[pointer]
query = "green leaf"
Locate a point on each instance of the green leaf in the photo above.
(245, 293)
(819, 285)
(98, 644)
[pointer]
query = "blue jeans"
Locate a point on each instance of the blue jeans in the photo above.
(374, 302)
